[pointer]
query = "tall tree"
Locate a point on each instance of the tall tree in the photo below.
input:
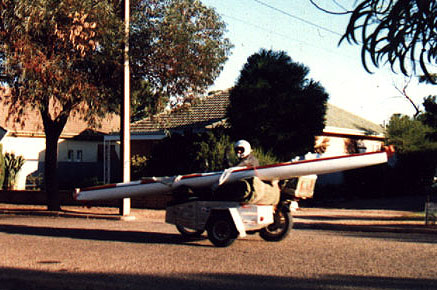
(177, 47)
(401, 32)
(55, 59)
(63, 58)
(275, 106)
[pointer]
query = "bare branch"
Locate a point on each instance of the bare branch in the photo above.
(404, 93)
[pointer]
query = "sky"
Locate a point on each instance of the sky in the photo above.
(311, 37)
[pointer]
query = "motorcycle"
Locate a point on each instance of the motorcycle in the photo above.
(225, 221)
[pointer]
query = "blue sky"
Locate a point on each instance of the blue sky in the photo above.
(310, 36)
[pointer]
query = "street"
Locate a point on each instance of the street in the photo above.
(343, 250)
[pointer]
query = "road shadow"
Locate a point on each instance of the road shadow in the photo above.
(11, 278)
(398, 232)
(102, 235)
(95, 214)
(405, 218)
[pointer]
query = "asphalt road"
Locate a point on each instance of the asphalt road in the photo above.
(334, 250)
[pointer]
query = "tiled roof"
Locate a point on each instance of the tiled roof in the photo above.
(339, 118)
(202, 113)
(212, 109)
(32, 125)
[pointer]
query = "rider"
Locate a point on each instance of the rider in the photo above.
(257, 191)
(244, 153)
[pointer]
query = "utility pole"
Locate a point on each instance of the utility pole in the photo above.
(125, 205)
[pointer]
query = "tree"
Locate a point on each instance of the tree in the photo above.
(63, 58)
(429, 117)
(416, 155)
(408, 134)
(406, 95)
(55, 59)
(401, 32)
(275, 106)
(176, 47)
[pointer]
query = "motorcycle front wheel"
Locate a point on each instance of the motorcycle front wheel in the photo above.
(280, 228)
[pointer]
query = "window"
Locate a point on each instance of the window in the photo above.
(75, 156)
(70, 156)
(79, 155)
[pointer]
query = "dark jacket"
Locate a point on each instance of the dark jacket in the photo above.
(249, 161)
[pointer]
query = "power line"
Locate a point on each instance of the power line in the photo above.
(339, 5)
(298, 18)
(285, 37)
(316, 25)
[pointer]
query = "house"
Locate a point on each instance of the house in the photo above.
(80, 148)
(198, 116)
(85, 153)
(344, 132)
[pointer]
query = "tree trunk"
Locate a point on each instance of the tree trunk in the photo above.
(53, 130)
(51, 173)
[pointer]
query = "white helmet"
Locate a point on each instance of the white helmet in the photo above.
(242, 148)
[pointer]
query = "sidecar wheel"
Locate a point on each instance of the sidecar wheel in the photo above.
(221, 230)
(189, 233)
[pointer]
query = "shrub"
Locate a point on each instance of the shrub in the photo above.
(413, 172)
(206, 152)
(138, 166)
(188, 153)
(265, 158)
(13, 165)
(35, 181)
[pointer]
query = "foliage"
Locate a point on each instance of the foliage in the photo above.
(401, 32)
(176, 47)
(182, 154)
(265, 158)
(408, 134)
(430, 79)
(416, 147)
(429, 117)
(63, 58)
(138, 166)
(35, 181)
(211, 151)
(275, 106)
(2, 166)
(13, 165)
(202, 152)
(413, 172)
(59, 59)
